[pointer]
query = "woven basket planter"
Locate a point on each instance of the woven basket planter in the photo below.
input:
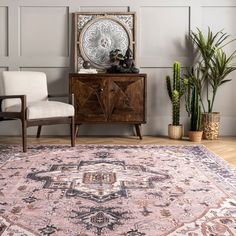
(195, 136)
(211, 125)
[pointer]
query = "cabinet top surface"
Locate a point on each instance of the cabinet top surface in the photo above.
(109, 75)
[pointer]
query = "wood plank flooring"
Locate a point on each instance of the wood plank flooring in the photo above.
(224, 147)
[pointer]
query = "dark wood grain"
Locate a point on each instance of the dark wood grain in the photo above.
(109, 98)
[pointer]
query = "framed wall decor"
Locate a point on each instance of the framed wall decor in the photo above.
(96, 34)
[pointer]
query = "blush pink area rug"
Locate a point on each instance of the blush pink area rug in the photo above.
(109, 190)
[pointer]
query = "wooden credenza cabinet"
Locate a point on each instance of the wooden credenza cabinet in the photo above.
(109, 98)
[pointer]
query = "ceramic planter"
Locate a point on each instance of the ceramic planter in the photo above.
(175, 131)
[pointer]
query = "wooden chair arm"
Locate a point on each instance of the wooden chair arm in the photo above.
(20, 114)
(2, 97)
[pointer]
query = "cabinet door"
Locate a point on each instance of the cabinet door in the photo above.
(127, 99)
(90, 99)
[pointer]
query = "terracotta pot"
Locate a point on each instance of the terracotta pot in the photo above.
(175, 131)
(195, 136)
(211, 125)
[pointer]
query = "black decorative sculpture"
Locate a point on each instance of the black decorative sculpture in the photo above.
(122, 63)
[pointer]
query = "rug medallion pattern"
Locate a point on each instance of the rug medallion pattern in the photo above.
(107, 190)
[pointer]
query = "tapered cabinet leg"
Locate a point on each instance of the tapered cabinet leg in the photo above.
(138, 132)
(76, 129)
(24, 135)
(72, 127)
(39, 131)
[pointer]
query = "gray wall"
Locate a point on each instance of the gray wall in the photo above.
(36, 35)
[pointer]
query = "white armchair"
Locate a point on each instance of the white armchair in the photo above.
(25, 97)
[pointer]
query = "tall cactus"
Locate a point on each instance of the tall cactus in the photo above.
(175, 88)
(195, 111)
(193, 106)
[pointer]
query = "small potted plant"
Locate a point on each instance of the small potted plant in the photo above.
(193, 108)
(213, 65)
(175, 88)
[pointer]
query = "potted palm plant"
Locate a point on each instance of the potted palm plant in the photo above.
(214, 65)
(175, 88)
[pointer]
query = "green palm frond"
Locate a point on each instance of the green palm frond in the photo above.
(214, 64)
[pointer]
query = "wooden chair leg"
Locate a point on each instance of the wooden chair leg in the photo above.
(72, 131)
(39, 131)
(24, 135)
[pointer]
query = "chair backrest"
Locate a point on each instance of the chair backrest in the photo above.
(29, 83)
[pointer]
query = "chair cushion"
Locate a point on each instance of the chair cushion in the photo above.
(30, 83)
(45, 109)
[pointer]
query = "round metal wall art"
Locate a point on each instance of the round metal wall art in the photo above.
(99, 37)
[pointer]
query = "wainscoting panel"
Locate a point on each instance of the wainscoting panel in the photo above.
(162, 40)
(3, 31)
(44, 31)
(225, 21)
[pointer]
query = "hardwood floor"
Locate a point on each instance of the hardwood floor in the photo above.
(224, 147)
